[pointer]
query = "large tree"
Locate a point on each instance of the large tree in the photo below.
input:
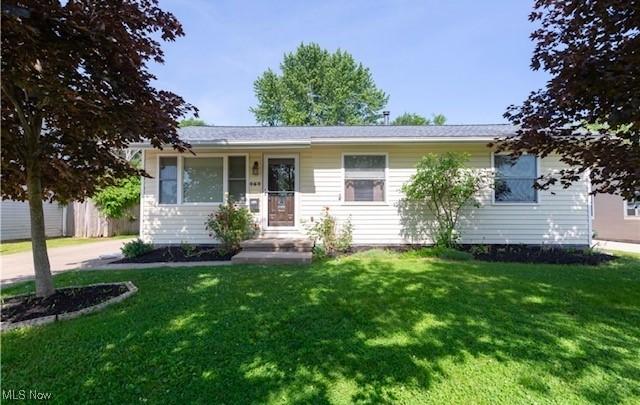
(76, 90)
(192, 122)
(589, 111)
(317, 87)
(417, 119)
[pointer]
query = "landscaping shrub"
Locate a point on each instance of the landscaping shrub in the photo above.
(135, 248)
(231, 224)
(443, 186)
(328, 237)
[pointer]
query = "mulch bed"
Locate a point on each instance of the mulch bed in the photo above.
(536, 254)
(198, 253)
(22, 308)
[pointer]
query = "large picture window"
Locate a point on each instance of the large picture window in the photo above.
(168, 184)
(203, 180)
(364, 177)
(515, 179)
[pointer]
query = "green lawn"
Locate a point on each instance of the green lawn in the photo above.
(7, 248)
(371, 328)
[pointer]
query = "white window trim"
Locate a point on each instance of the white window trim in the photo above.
(343, 194)
(180, 186)
(514, 203)
(246, 176)
(627, 217)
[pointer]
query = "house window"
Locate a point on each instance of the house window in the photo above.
(237, 183)
(168, 180)
(632, 209)
(364, 177)
(202, 180)
(515, 179)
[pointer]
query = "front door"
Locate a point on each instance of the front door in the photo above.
(281, 180)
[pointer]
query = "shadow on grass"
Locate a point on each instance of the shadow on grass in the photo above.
(372, 328)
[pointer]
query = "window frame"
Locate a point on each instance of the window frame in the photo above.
(627, 216)
(158, 180)
(246, 176)
(515, 203)
(343, 194)
(180, 167)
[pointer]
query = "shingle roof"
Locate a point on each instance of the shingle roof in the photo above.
(309, 134)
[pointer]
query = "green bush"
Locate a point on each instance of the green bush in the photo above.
(113, 201)
(135, 248)
(325, 233)
(231, 224)
(444, 186)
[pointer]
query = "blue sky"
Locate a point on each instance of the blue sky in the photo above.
(466, 59)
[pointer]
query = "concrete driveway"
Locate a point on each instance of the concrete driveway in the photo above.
(621, 246)
(19, 266)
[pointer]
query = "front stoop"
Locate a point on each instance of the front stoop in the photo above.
(257, 257)
(274, 251)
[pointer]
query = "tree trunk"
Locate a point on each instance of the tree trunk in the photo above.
(44, 281)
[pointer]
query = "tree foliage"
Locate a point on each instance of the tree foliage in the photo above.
(444, 186)
(417, 119)
(75, 89)
(317, 87)
(589, 111)
(192, 122)
(438, 119)
(113, 201)
(411, 119)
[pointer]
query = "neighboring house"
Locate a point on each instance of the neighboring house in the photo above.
(286, 175)
(616, 219)
(76, 219)
(15, 222)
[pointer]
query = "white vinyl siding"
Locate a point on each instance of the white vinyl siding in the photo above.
(16, 223)
(560, 218)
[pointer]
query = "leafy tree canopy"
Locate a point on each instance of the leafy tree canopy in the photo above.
(317, 87)
(589, 111)
(76, 89)
(113, 201)
(416, 119)
(192, 122)
(411, 119)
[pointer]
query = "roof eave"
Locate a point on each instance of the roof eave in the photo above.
(322, 141)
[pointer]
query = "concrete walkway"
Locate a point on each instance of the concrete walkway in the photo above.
(19, 266)
(620, 246)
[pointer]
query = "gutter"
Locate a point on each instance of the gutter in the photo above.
(300, 144)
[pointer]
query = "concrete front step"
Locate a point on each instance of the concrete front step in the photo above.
(277, 245)
(261, 257)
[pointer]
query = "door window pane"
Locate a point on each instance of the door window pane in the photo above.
(203, 179)
(281, 175)
(168, 177)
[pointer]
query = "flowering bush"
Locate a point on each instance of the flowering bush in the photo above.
(231, 224)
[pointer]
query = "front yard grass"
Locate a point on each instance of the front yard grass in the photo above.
(10, 247)
(370, 328)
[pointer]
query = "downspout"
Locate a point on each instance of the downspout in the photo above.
(589, 207)
(64, 220)
(142, 181)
